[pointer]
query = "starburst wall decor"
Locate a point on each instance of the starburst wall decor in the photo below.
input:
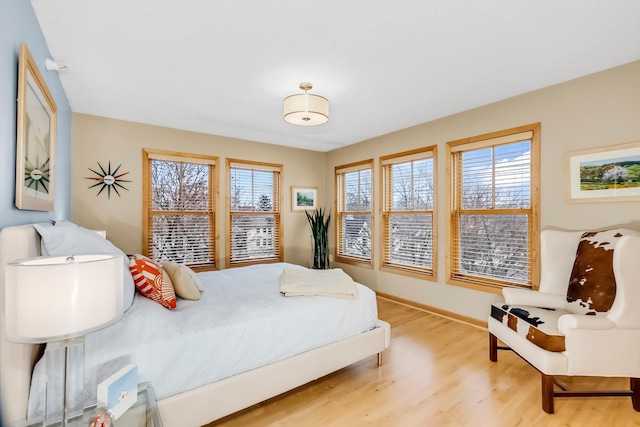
(108, 179)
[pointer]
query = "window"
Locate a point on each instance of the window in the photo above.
(253, 204)
(493, 222)
(353, 191)
(408, 182)
(179, 199)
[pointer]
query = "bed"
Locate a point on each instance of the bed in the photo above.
(202, 398)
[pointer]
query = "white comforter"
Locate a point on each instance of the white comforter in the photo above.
(242, 322)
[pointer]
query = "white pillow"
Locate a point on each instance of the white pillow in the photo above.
(183, 281)
(66, 238)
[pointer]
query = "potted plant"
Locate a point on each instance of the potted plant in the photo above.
(320, 231)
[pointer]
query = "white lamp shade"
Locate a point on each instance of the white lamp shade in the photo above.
(306, 109)
(56, 298)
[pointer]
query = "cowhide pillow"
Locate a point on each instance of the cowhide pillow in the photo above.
(592, 287)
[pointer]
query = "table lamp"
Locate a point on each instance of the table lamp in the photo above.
(58, 300)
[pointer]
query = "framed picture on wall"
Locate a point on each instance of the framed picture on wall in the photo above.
(36, 141)
(303, 198)
(607, 174)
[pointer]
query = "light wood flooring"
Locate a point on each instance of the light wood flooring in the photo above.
(436, 373)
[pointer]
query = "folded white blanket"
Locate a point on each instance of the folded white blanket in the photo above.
(306, 282)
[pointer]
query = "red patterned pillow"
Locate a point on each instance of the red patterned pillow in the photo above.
(152, 281)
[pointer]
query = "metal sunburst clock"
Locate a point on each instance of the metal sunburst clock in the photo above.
(108, 179)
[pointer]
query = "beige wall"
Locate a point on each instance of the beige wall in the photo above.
(99, 139)
(594, 111)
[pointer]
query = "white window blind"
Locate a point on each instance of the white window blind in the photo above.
(354, 219)
(180, 221)
(407, 211)
(254, 213)
(493, 220)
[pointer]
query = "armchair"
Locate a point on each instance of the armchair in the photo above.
(585, 318)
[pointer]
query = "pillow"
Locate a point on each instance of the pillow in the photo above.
(183, 283)
(152, 281)
(592, 286)
(195, 279)
(62, 238)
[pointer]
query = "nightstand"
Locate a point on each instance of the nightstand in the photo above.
(144, 413)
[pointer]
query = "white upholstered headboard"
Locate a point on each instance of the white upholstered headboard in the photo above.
(16, 360)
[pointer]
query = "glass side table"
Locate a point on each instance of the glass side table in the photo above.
(144, 413)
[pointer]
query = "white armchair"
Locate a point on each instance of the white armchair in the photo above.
(584, 319)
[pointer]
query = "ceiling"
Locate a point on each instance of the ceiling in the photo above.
(223, 67)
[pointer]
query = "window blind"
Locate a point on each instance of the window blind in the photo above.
(354, 206)
(254, 213)
(180, 221)
(493, 217)
(408, 211)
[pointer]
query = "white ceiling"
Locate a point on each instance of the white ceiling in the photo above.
(224, 67)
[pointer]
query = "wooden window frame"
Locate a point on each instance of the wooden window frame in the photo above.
(148, 155)
(277, 213)
(339, 191)
(454, 207)
(386, 185)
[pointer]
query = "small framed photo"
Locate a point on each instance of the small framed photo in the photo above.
(303, 198)
(607, 174)
(119, 392)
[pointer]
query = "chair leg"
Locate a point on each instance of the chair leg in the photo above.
(493, 348)
(635, 393)
(547, 393)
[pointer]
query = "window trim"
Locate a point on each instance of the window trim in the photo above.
(258, 166)
(149, 154)
(488, 140)
(342, 169)
(385, 192)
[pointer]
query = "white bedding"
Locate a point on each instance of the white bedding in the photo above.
(296, 282)
(242, 322)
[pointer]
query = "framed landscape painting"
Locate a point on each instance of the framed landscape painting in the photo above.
(303, 198)
(36, 138)
(605, 174)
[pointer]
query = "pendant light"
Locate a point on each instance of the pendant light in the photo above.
(306, 109)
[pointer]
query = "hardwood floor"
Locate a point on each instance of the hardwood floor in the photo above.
(436, 373)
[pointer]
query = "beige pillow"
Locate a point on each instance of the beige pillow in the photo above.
(183, 282)
(195, 278)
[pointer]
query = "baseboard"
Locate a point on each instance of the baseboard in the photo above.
(437, 311)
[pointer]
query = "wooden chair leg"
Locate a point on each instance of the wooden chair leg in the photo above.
(547, 393)
(635, 396)
(493, 348)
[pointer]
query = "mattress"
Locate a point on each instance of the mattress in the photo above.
(242, 322)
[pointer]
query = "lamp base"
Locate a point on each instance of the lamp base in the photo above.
(65, 381)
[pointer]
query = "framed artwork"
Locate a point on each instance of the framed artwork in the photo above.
(36, 141)
(607, 174)
(303, 198)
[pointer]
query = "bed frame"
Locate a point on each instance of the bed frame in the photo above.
(195, 407)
